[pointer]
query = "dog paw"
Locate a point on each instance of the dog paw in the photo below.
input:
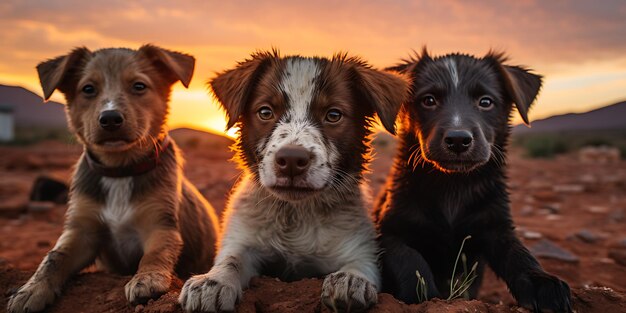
(208, 293)
(347, 292)
(539, 291)
(145, 286)
(32, 297)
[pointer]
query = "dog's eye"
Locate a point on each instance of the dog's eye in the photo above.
(333, 115)
(139, 86)
(89, 90)
(265, 113)
(429, 101)
(485, 103)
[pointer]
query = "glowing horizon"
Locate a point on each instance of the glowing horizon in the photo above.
(584, 64)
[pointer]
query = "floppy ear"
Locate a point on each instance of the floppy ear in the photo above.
(233, 87)
(385, 91)
(523, 87)
(180, 65)
(61, 72)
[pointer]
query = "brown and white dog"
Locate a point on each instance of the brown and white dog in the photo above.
(130, 207)
(299, 210)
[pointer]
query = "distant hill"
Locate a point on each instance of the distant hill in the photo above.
(193, 138)
(605, 118)
(29, 109)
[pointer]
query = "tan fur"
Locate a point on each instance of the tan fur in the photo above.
(165, 225)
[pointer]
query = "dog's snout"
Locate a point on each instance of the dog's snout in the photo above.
(111, 120)
(293, 160)
(458, 141)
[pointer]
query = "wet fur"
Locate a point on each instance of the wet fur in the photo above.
(154, 225)
(426, 209)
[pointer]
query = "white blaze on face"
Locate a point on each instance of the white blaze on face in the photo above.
(456, 120)
(454, 75)
(295, 128)
(108, 106)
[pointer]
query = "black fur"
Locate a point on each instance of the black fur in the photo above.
(435, 198)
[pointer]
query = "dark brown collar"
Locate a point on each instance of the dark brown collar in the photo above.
(140, 167)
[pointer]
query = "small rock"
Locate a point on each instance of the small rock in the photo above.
(588, 178)
(43, 243)
(548, 249)
(587, 236)
(553, 217)
(139, 308)
(598, 209)
(571, 188)
(526, 210)
(40, 206)
(532, 235)
(546, 196)
(554, 208)
(618, 255)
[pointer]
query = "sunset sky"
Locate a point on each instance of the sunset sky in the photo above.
(579, 46)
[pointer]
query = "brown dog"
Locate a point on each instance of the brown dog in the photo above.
(130, 206)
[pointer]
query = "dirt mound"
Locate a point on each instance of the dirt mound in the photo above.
(101, 292)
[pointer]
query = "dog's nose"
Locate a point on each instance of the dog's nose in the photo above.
(111, 120)
(458, 141)
(292, 160)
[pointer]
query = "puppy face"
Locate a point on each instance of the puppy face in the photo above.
(117, 98)
(303, 121)
(461, 106)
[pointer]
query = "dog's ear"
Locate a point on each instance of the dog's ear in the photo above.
(385, 92)
(179, 64)
(61, 72)
(233, 87)
(523, 87)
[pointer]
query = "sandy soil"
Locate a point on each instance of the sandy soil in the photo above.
(571, 214)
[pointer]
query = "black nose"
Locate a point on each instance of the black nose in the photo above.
(292, 160)
(111, 120)
(458, 141)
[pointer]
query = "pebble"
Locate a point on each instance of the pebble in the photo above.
(553, 217)
(532, 234)
(43, 243)
(40, 206)
(587, 236)
(598, 209)
(618, 255)
(554, 208)
(546, 196)
(548, 249)
(139, 308)
(526, 210)
(570, 188)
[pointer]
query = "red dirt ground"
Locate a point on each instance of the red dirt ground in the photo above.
(577, 206)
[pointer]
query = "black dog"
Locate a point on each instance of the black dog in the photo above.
(449, 182)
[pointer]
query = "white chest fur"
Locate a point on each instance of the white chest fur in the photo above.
(117, 210)
(117, 214)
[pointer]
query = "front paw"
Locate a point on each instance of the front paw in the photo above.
(145, 286)
(540, 291)
(210, 293)
(32, 297)
(347, 292)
